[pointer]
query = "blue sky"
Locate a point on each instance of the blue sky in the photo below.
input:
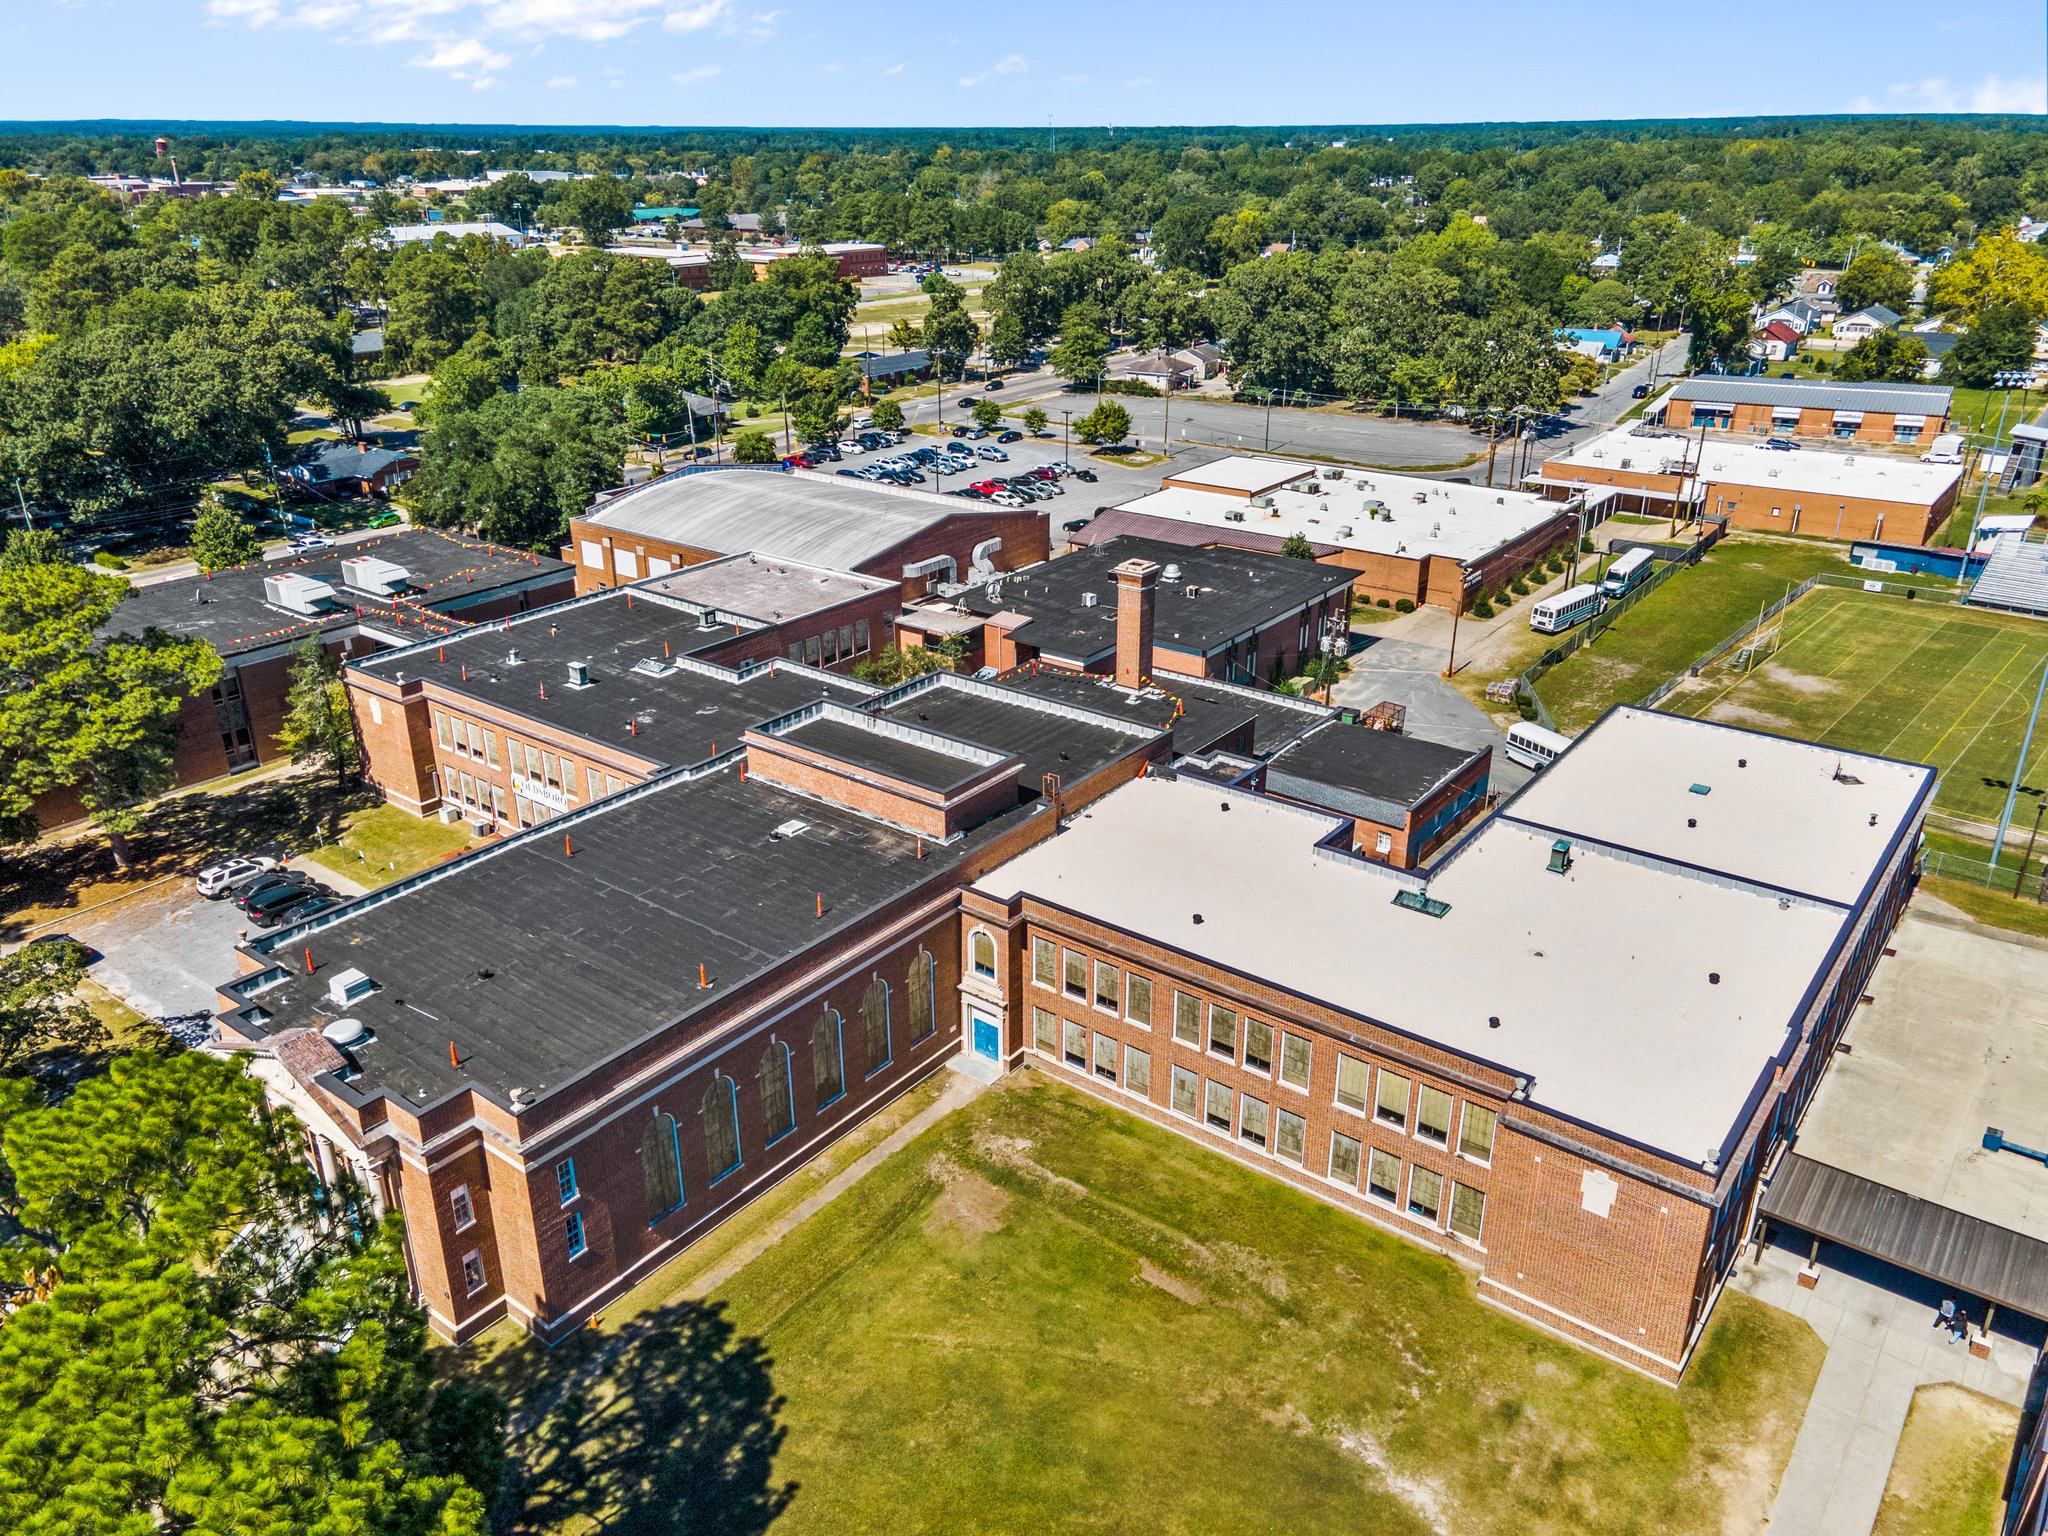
(982, 62)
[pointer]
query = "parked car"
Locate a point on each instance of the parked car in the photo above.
(1779, 444)
(1085, 474)
(266, 908)
(959, 431)
(1076, 524)
(269, 886)
(312, 907)
(215, 881)
(976, 432)
(308, 540)
(1010, 435)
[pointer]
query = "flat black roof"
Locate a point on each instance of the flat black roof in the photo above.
(1358, 771)
(1236, 593)
(1201, 714)
(676, 716)
(1061, 738)
(538, 965)
(885, 753)
(229, 609)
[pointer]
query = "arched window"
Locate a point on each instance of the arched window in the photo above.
(924, 1016)
(721, 1128)
(828, 1059)
(661, 1164)
(981, 948)
(874, 1025)
(778, 1105)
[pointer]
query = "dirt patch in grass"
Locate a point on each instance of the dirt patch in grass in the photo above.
(1798, 682)
(1949, 1467)
(1425, 1497)
(968, 1204)
(1743, 714)
(1173, 1285)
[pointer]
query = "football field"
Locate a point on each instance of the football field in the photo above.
(1923, 681)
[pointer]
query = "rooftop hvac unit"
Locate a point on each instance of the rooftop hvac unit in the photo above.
(380, 578)
(298, 594)
(1333, 473)
(1233, 517)
(1192, 590)
(1344, 532)
(1262, 502)
(1422, 496)
(1089, 600)
(1172, 573)
(579, 674)
(513, 658)
(348, 986)
(346, 1034)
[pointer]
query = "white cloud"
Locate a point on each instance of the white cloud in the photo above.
(257, 13)
(1008, 64)
(692, 76)
(1139, 83)
(324, 15)
(1994, 93)
(762, 27)
(695, 18)
(460, 57)
(893, 69)
(592, 21)
(562, 82)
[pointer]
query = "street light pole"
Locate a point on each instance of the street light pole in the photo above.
(1067, 427)
(1984, 484)
(2027, 858)
(2012, 789)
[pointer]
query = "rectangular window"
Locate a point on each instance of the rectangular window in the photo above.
(376, 711)
(1354, 1079)
(443, 731)
(1138, 1000)
(476, 739)
(1425, 1193)
(551, 770)
(1468, 1210)
(1109, 985)
(1077, 1045)
(1077, 976)
(458, 1204)
(593, 553)
(1433, 1115)
(812, 653)
(846, 639)
(491, 748)
(1138, 1071)
(1475, 1133)
(1393, 1101)
(1216, 1105)
(627, 565)
(1223, 1031)
(1383, 1176)
(498, 802)
(1184, 1092)
(1045, 964)
(533, 766)
(1187, 1020)
(594, 780)
(611, 784)
(1295, 1061)
(1344, 1160)
(565, 1179)
(860, 637)
(572, 1228)
(1105, 1057)
(1290, 1135)
(1258, 1046)
(1252, 1120)
(568, 777)
(829, 649)
(1045, 1030)
(472, 1272)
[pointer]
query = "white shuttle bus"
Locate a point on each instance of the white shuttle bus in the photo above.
(1574, 605)
(1626, 574)
(1534, 747)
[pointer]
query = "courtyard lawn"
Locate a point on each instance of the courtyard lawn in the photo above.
(1665, 632)
(1044, 1315)
(1932, 684)
(379, 843)
(1950, 1466)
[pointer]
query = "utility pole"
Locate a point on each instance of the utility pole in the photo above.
(2012, 789)
(2027, 858)
(23, 501)
(1067, 428)
(1492, 447)
(1269, 418)
(1984, 483)
(1457, 610)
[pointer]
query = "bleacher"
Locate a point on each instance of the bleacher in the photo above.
(2015, 578)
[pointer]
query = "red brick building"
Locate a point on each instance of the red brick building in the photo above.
(359, 598)
(918, 538)
(1853, 412)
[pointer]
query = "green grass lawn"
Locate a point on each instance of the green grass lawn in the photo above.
(1950, 1465)
(1935, 684)
(1045, 1315)
(380, 843)
(1670, 628)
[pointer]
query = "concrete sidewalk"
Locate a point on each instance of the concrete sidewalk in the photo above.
(1882, 1346)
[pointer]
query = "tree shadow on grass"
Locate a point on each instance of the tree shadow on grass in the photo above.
(668, 1429)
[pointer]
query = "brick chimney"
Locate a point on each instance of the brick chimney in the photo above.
(1137, 590)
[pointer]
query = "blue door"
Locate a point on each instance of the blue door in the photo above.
(986, 1040)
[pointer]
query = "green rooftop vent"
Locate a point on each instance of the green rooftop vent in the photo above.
(1703, 789)
(1560, 856)
(1421, 901)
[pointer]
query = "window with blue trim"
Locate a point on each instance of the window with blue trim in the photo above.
(721, 1128)
(572, 1228)
(661, 1165)
(874, 1025)
(828, 1058)
(565, 1179)
(778, 1103)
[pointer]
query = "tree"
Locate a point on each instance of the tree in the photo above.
(1109, 422)
(82, 708)
(750, 445)
(1035, 420)
(1875, 277)
(319, 729)
(205, 1333)
(594, 206)
(949, 334)
(37, 1011)
(2002, 340)
(1297, 547)
(220, 539)
(1884, 356)
(894, 664)
(1998, 272)
(1273, 320)
(1083, 345)
(517, 467)
(887, 416)
(987, 413)
(30, 546)
(814, 415)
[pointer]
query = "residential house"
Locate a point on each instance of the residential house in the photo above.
(1865, 323)
(1775, 343)
(1802, 316)
(352, 469)
(1162, 370)
(1205, 357)
(1603, 346)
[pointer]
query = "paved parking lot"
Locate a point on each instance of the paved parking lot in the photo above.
(163, 950)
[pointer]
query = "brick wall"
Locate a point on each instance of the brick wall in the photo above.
(1876, 426)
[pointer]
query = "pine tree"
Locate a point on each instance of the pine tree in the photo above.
(318, 727)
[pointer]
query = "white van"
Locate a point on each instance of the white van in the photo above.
(1947, 448)
(1574, 605)
(1626, 574)
(1534, 747)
